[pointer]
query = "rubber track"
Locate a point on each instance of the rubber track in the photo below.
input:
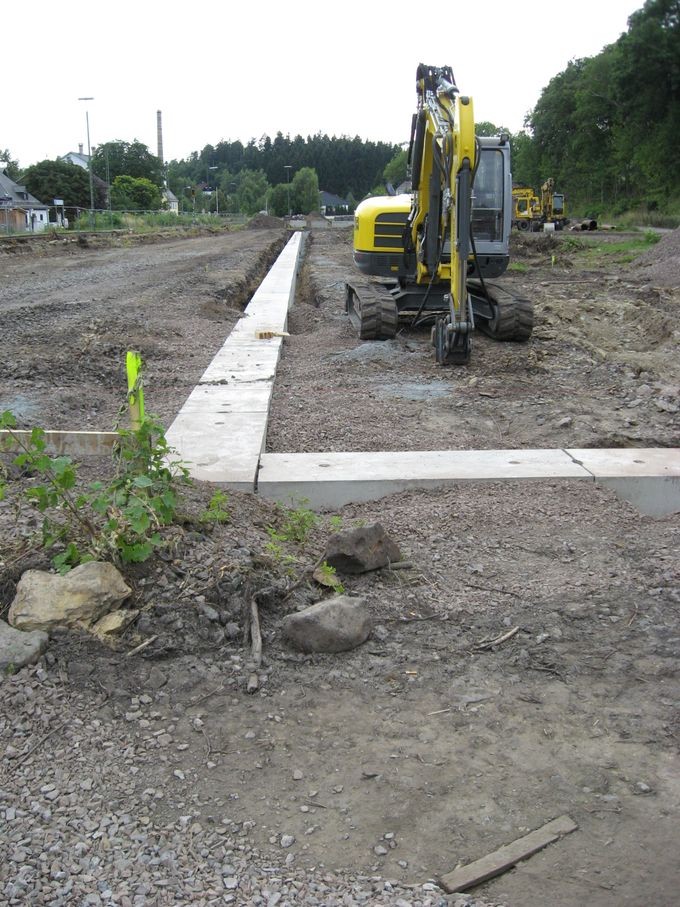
(377, 317)
(515, 319)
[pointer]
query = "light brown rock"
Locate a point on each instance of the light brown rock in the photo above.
(46, 600)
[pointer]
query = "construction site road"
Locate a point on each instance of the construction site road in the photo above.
(523, 663)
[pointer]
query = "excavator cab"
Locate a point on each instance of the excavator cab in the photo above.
(491, 209)
(381, 223)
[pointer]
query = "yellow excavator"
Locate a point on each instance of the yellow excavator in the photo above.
(529, 212)
(428, 256)
(526, 209)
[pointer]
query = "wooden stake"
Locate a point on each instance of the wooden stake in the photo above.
(507, 856)
(135, 391)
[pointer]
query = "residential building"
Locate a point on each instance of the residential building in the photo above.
(20, 212)
(332, 204)
(77, 158)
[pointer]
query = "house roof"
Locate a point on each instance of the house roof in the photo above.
(17, 194)
(330, 200)
(170, 195)
(77, 158)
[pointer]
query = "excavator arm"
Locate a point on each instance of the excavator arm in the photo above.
(442, 158)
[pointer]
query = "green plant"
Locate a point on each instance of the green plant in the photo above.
(327, 576)
(335, 522)
(296, 523)
(216, 511)
(119, 519)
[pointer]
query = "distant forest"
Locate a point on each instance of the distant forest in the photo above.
(607, 129)
(347, 167)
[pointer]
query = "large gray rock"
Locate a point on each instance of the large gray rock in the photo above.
(361, 550)
(334, 625)
(18, 649)
(82, 596)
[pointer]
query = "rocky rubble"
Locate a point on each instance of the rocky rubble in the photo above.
(77, 829)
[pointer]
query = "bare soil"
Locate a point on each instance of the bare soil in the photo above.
(426, 742)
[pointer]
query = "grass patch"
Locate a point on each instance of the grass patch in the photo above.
(593, 252)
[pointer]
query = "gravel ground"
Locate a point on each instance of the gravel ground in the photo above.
(357, 778)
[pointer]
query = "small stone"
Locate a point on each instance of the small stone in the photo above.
(287, 840)
(380, 850)
(642, 788)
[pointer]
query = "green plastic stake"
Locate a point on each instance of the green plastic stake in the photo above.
(135, 389)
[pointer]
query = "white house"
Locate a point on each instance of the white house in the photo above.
(171, 200)
(77, 158)
(20, 212)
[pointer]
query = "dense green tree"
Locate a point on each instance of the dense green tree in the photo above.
(48, 180)
(9, 165)
(278, 200)
(130, 194)
(304, 191)
(251, 191)
(607, 128)
(396, 170)
(646, 88)
(121, 158)
(526, 169)
(489, 129)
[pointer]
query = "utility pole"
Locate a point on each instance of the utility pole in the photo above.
(217, 192)
(89, 163)
(287, 168)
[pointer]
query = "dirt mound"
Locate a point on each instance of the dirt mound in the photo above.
(660, 265)
(264, 222)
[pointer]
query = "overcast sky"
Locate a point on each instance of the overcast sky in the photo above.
(224, 71)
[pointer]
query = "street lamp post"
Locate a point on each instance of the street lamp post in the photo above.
(287, 168)
(89, 162)
(217, 193)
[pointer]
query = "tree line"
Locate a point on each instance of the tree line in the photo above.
(281, 175)
(347, 167)
(607, 128)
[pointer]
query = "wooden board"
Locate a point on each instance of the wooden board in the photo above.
(75, 443)
(506, 857)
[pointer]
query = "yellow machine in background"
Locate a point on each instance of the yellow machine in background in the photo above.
(526, 208)
(529, 212)
(553, 205)
(433, 249)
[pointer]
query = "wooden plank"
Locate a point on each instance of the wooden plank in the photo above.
(506, 857)
(75, 443)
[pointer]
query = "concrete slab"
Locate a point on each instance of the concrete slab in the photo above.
(245, 360)
(220, 448)
(245, 397)
(334, 479)
(628, 462)
(646, 477)
(221, 429)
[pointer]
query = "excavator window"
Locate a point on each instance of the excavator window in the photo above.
(487, 196)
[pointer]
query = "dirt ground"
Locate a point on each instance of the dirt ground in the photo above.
(423, 748)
